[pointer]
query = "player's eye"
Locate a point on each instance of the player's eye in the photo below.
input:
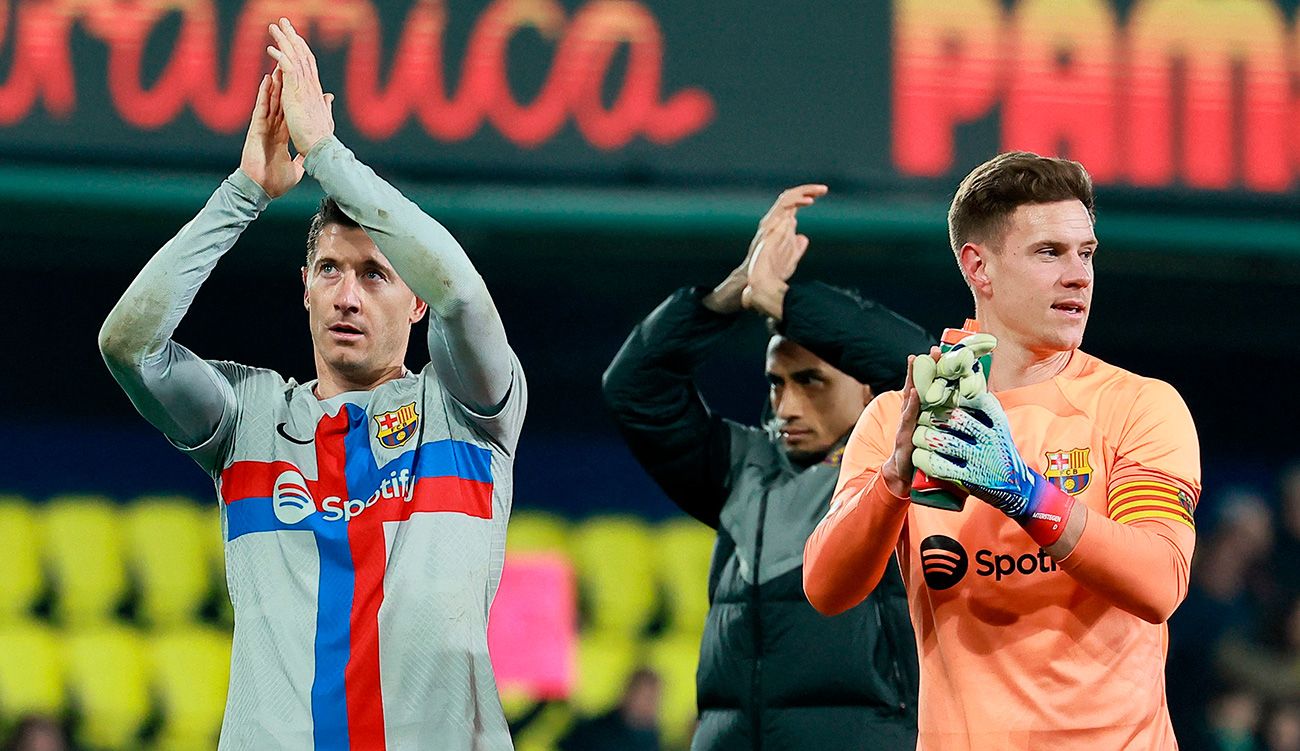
(376, 275)
(327, 268)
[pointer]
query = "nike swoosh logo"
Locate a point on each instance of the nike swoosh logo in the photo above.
(280, 429)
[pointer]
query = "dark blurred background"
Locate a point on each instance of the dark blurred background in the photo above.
(650, 172)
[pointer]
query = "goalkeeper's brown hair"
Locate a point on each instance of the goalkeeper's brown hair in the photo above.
(991, 193)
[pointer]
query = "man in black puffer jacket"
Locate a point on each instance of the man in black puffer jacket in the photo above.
(774, 674)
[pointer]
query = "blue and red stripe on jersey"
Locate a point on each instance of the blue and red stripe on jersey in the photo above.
(445, 476)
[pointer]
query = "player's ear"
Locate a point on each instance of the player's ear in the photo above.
(973, 259)
(306, 299)
(867, 395)
(418, 308)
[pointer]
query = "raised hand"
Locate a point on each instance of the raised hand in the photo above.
(957, 372)
(308, 111)
(776, 251)
(266, 157)
(729, 295)
(971, 446)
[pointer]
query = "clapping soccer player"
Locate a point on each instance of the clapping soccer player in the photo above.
(364, 511)
(773, 673)
(1040, 606)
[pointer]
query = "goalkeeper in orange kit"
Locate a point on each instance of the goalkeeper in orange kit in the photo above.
(1040, 606)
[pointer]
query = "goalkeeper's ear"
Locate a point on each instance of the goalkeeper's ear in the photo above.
(972, 258)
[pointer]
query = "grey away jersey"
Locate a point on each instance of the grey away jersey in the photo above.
(364, 538)
(364, 533)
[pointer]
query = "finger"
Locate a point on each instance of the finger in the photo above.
(922, 374)
(275, 90)
(944, 442)
(301, 49)
(957, 422)
(936, 466)
(938, 395)
(803, 194)
(262, 107)
(956, 363)
(979, 344)
(972, 385)
(911, 407)
(283, 51)
(281, 59)
(800, 246)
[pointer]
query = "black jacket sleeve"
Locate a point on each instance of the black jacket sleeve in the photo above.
(862, 338)
(649, 389)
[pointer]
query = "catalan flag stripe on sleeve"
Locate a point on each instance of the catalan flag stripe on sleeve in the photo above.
(1148, 499)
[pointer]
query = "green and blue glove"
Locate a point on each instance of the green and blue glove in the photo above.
(964, 438)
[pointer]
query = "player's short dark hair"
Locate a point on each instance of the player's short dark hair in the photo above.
(993, 191)
(327, 213)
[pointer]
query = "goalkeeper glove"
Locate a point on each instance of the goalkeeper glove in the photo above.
(957, 373)
(971, 446)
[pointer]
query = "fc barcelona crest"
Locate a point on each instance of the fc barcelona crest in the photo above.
(397, 427)
(1069, 470)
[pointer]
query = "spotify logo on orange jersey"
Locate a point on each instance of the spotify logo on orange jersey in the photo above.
(943, 560)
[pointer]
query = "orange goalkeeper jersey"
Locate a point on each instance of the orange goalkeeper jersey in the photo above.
(1019, 651)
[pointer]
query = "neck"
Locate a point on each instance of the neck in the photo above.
(1015, 364)
(330, 382)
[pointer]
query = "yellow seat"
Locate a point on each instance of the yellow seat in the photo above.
(83, 554)
(615, 558)
(537, 532)
(31, 670)
(108, 685)
(214, 545)
(166, 551)
(605, 661)
(191, 672)
(685, 548)
(546, 728)
(675, 659)
(20, 558)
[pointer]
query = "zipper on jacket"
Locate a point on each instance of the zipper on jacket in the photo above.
(756, 597)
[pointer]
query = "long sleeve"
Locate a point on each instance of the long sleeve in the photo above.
(467, 341)
(1138, 554)
(846, 555)
(860, 337)
(649, 390)
(1142, 568)
(177, 392)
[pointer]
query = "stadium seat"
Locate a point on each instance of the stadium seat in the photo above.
(605, 662)
(545, 729)
(615, 559)
(167, 553)
(20, 558)
(215, 545)
(675, 658)
(191, 672)
(684, 549)
(83, 555)
(31, 670)
(108, 685)
(537, 532)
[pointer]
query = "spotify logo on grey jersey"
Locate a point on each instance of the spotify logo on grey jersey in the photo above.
(943, 560)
